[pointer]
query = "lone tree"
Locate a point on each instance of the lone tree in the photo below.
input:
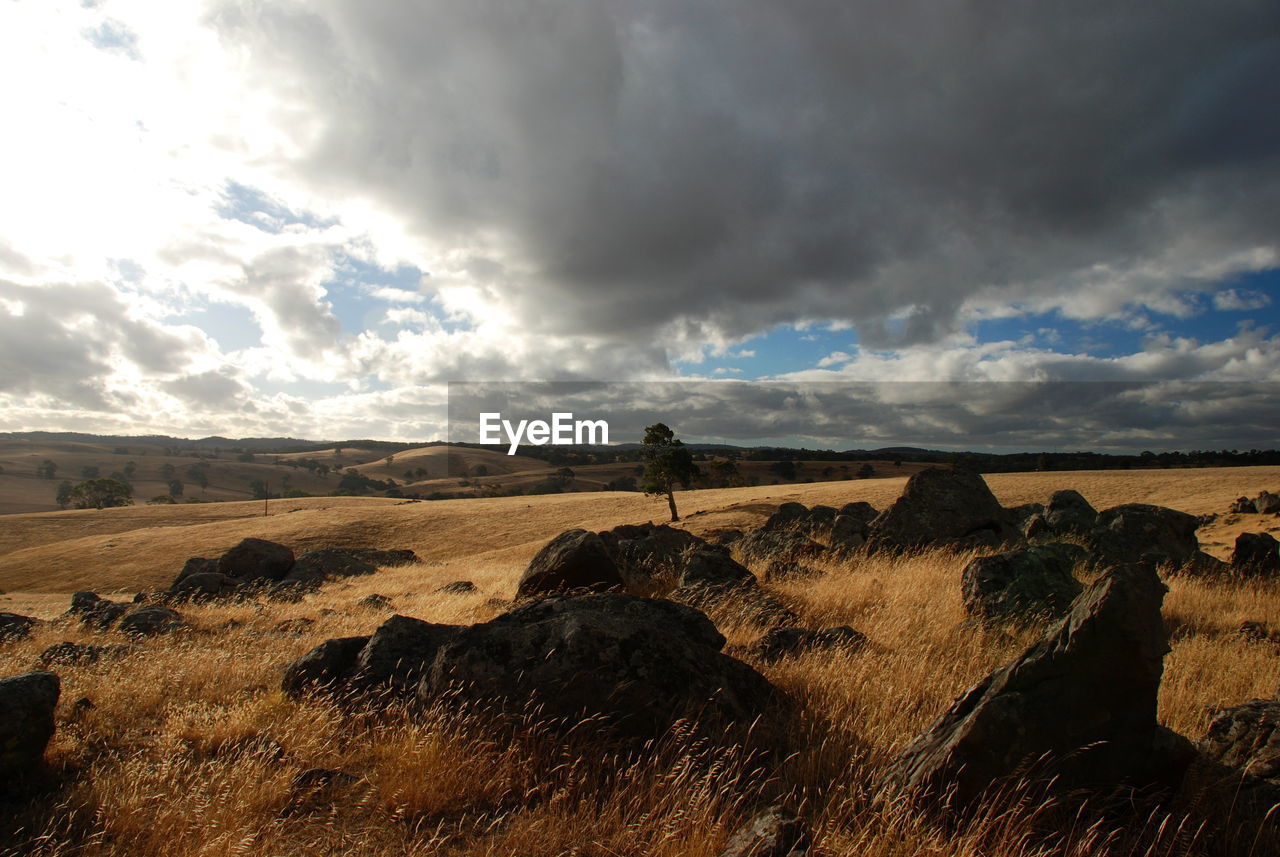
(669, 462)
(63, 497)
(101, 494)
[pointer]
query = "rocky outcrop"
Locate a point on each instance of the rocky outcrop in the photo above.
(1247, 737)
(1032, 583)
(762, 546)
(399, 652)
(1078, 706)
(256, 559)
(328, 667)
(1128, 533)
(631, 665)
(202, 586)
(1266, 503)
(574, 561)
(940, 508)
(27, 702)
(14, 626)
(97, 613)
(1256, 555)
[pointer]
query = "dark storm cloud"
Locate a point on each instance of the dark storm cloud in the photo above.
(728, 164)
(960, 415)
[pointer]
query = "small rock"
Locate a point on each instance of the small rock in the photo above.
(96, 612)
(779, 643)
(296, 626)
(1266, 503)
(1069, 512)
(16, 627)
(773, 833)
(458, 587)
(1035, 582)
(150, 620)
(68, 653)
(375, 602)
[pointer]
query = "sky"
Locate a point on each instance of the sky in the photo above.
(306, 218)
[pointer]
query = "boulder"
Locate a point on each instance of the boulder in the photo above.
(194, 565)
(1020, 517)
(1078, 706)
(574, 561)
(773, 833)
(400, 651)
(70, 654)
(940, 507)
(296, 626)
(861, 510)
(201, 586)
(645, 550)
(376, 602)
(1266, 503)
(787, 516)
(1242, 505)
(256, 559)
(633, 666)
(767, 545)
(848, 533)
(27, 702)
(98, 613)
(328, 667)
(710, 567)
(458, 587)
(789, 569)
(14, 626)
(1069, 512)
(1256, 555)
(1031, 583)
(1247, 737)
(291, 591)
(151, 620)
(779, 643)
(1126, 534)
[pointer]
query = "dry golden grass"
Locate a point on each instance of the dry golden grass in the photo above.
(190, 748)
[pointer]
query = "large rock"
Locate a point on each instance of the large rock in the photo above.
(1079, 705)
(256, 559)
(574, 561)
(400, 651)
(768, 545)
(1125, 534)
(1035, 582)
(940, 507)
(1247, 737)
(330, 666)
(1266, 503)
(1069, 512)
(642, 551)
(633, 665)
(96, 612)
(788, 516)
(202, 586)
(27, 702)
(713, 580)
(779, 643)
(14, 626)
(1256, 555)
(193, 566)
(711, 567)
(150, 620)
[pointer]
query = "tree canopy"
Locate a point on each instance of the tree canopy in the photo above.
(669, 463)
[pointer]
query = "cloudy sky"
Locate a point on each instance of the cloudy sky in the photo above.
(304, 218)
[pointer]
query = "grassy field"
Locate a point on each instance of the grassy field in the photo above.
(190, 748)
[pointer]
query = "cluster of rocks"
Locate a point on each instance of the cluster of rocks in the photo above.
(257, 566)
(1266, 503)
(132, 618)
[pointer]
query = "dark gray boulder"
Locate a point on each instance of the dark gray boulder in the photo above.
(98, 613)
(1021, 516)
(642, 551)
(938, 508)
(713, 580)
(328, 667)
(1247, 737)
(1125, 534)
(27, 703)
(71, 654)
(256, 559)
(861, 511)
(574, 561)
(1069, 512)
(458, 587)
(329, 564)
(400, 651)
(1256, 555)
(848, 533)
(767, 545)
(632, 665)
(151, 620)
(1079, 706)
(194, 565)
(775, 832)
(376, 601)
(202, 586)
(779, 643)
(711, 567)
(787, 516)
(1266, 503)
(1032, 583)
(14, 626)
(1242, 505)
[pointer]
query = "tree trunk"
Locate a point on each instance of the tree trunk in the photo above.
(671, 501)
